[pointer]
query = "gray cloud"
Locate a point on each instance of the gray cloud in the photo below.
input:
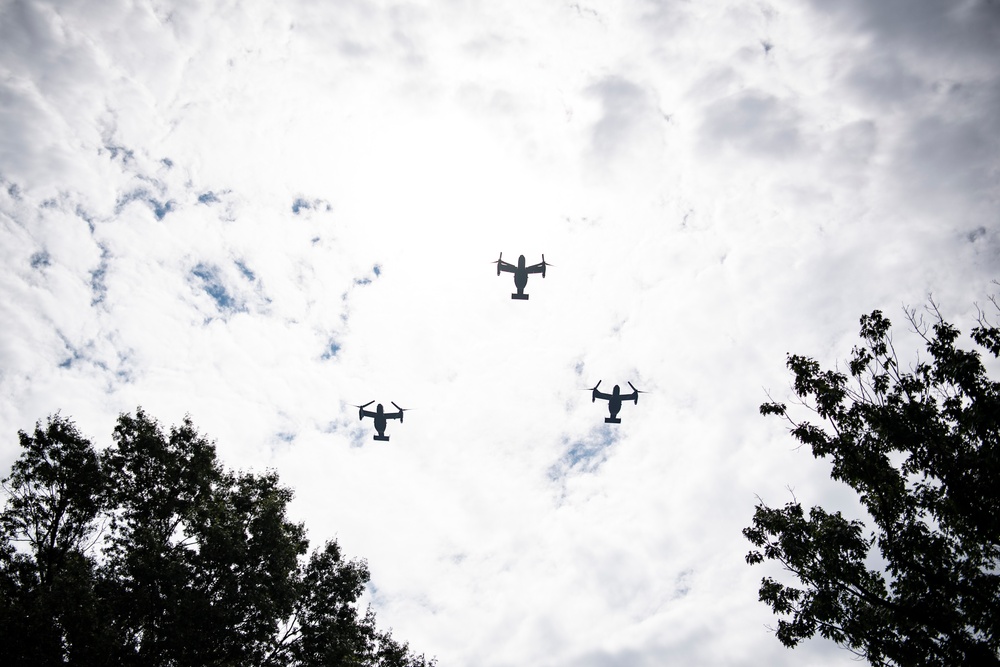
(755, 123)
(886, 81)
(936, 27)
(942, 156)
(629, 119)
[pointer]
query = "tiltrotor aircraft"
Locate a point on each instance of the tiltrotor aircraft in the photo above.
(520, 273)
(614, 400)
(380, 417)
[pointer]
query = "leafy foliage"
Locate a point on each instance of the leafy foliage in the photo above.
(922, 450)
(47, 590)
(151, 553)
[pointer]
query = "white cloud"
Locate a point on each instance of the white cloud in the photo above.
(264, 215)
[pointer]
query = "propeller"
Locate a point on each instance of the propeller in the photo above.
(361, 414)
(498, 266)
(401, 411)
(544, 265)
(637, 392)
(593, 397)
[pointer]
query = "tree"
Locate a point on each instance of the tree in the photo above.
(47, 597)
(328, 630)
(202, 562)
(922, 450)
(151, 553)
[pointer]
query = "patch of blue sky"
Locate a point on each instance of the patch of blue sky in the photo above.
(86, 217)
(75, 354)
(97, 278)
(160, 209)
(301, 204)
(139, 194)
(331, 351)
(211, 282)
(285, 436)
(586, 454)
(124, 372)
(376, 270)
(125, 153)
(14, 191)
(41, 259)
(682, 584)
(247, 273)
(208, 198)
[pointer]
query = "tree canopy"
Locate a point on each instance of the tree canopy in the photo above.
(918, 581)
(151, 553)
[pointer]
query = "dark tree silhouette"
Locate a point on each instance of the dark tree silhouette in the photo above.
(919, 582)
(151, 553)
(48, 602)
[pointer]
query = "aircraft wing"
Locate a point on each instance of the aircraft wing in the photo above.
(394, 415)
(367, 413)
(506, 266)
(601, 395)
(634, 396)
(535, 268)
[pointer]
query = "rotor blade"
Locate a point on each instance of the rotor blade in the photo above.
(593, 397)
(363, 406)
(401, 411)
(638, 391)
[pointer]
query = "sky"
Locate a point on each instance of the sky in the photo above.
(263, 214)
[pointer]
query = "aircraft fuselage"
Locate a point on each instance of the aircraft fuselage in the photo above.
(520, 276)
(615, 402)
(614, 407)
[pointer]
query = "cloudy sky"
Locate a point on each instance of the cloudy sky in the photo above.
(262, 213)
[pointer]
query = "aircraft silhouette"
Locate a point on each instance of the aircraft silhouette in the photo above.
(380, 417)
(614, 400)
(520, 273)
